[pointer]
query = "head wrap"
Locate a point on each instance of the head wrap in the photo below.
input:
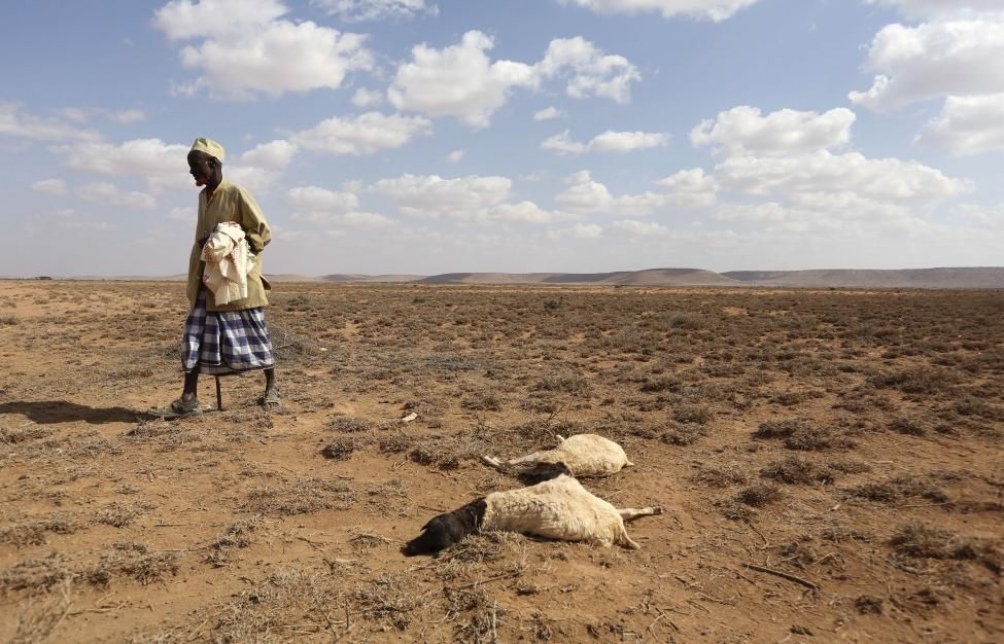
(210, 147)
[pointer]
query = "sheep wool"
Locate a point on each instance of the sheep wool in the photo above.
(584, 455)
(557, 509)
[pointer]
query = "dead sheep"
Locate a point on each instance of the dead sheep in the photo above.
(585, 455)
(558, 508)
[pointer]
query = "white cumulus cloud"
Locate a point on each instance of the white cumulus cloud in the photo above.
(109, 194)
(163, 165)
(245, 48)
(639, 228)
(366, 97)
(716, 10)
(690, 189)
(920, 9)
(890, 179)
(585, 196)
(359, 10)
(587, 231)
(184, 19)
(459, 80)
(331, 209)
(462, 198)
(261, 166)
(744, 130)
(14, 122)
(50, 187)
(588, 71)
(364, 134)
(469, 200)
(940, 58)
(967, 125)
(463, 82)
(608, 141)
(547, 114)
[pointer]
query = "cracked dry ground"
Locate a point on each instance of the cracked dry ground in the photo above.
(830, 463)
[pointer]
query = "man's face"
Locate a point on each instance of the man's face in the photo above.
(200, 166)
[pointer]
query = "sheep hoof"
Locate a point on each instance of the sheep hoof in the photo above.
(658, 510)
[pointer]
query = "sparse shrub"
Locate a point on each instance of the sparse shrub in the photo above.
(683, 434)
(685, 320)
(779, 428)
(908, 426)
(662, 383)
(919, 540)
(725, 476)
(797, 471)
(340, 449)
(302, 497)
(799, 435)
(396, 443)
(868, 605)
(482, 401)
(299, 302)
(759, 495)
(899, 488)
(693, 413)
(567, 383)
(918, 380)
(349, 424)
(791, 398)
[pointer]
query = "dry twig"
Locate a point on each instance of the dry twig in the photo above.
(784, 575)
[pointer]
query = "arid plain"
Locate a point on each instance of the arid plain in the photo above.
(830, 463)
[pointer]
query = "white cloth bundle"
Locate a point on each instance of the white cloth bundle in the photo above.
(228, 263)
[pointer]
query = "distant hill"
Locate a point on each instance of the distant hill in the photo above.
(372, 279)
(654, 277)
(990, 277)
(935, 278)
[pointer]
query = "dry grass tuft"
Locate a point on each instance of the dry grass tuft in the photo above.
(132, 560)
(341, 448)
(900, 488)
(720, 476)
(36, 575)
(23, 435)
(302, 497)
(236, 536)
(759, 495)
(284, 607)
(120, 515)
(794, 470)
(34, 533)
(385, 601)
(447, 452)
(348, 424)
(922, 541)
(36, 621)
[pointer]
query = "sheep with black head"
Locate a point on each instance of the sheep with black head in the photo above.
(558, 508)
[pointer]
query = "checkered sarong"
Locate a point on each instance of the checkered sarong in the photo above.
(225, 341)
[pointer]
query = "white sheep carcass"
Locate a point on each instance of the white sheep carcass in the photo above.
(585, 455)
(559, 508)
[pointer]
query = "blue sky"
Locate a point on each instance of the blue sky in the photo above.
(424, 136)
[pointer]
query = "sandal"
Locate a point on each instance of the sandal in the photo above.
(270, 400)
(178, 409)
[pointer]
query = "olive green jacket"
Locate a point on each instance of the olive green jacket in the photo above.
(230, 202)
